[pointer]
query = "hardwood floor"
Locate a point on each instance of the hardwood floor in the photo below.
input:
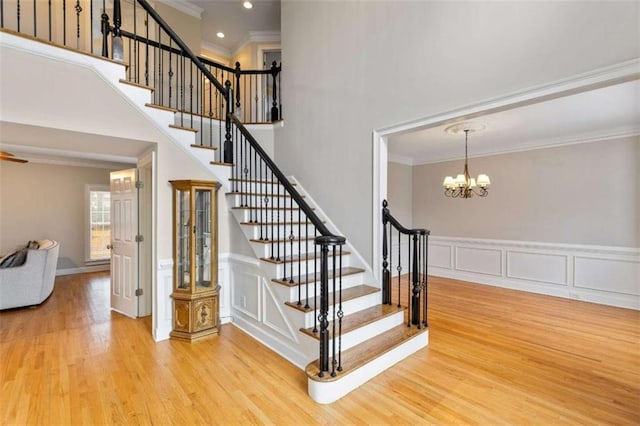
(495, 357)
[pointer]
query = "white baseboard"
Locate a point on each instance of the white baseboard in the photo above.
(598, 274)
(82, 269)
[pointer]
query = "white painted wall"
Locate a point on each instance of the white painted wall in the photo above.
(46, 201)
(353, 67)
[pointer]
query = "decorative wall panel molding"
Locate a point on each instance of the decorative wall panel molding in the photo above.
(599, 274)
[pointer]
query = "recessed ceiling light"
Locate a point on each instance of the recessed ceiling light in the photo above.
(247, 5)
(220, 34)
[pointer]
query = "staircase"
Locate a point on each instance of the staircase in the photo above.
(312, 281)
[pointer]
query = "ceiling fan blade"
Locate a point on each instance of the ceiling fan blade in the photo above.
(15, 160)
(6, 154)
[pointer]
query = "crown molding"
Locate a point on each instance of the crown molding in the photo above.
(216, 48)
(534, 145)
(184, 7)
(400, 159)
(257, 37)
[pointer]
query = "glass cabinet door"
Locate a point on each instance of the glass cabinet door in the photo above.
(182, 239)
(202, 243)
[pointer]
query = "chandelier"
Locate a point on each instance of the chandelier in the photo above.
(463, 185)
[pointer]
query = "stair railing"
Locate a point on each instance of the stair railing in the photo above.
(274, 204)
(417, 258)
(310, 255)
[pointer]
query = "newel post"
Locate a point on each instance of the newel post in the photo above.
(415, 297)
(237, 75)
(386, 273)
(228, 145)
(104, 29)
(116, 44)
(275, 114)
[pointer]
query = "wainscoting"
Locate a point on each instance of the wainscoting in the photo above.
(606, 275)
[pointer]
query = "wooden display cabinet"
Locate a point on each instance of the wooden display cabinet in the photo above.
(195, 259)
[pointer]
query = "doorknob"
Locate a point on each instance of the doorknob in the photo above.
(109, 246)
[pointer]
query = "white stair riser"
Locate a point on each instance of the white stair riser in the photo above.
(262, 249)
(277, 270)
(246, 215)
(277, 232)
(362, 334)
(259, 187)
(260, 199)
(313, 288)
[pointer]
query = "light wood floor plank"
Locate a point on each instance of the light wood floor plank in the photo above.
(496, 356)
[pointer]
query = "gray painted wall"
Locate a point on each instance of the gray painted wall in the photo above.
(353, 67)
(578, 194)
(400, 198)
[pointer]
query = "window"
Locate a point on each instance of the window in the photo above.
(99, 221)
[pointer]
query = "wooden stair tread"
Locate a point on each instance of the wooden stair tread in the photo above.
(349, 270)
(189, 129)
(268, 182)
(264, 208)
(194, 145)
(219, 163)
(133, 83)
(280, 241)
(358, 319)
(300, 257)
(361, 354)
(275, 223)
(347, 294)
(162, 107)
(254, 194)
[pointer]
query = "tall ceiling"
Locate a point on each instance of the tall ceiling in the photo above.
(236, 22)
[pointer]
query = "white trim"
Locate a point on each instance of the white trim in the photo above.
(217, 49)
(606, 275)
(553, 143)
(83, 269)
(184, 7)
(88, 188)
(257, 37)
(400, 159)
(601, 77)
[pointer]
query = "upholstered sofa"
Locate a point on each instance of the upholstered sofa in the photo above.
(32, 282)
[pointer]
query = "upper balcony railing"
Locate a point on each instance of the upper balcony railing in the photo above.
(153, 58)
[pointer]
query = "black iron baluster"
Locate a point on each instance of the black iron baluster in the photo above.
(18, 13)
(316, 259)
(49, 12)
(399, 268)
(273, 238)
(284, 277)
(228, 147)
(256, 195)
(291, 237)
(306, 257)
(299, 252)
(415, 299)
(279, 94)
(146, 53)
(2, 13)
(104, 18)
(35, 22)
(78, 9)
(64, 22)
(409, 305)
(340, 312)
(334, 361)
(274, 104)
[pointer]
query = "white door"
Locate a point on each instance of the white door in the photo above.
(124, 247)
